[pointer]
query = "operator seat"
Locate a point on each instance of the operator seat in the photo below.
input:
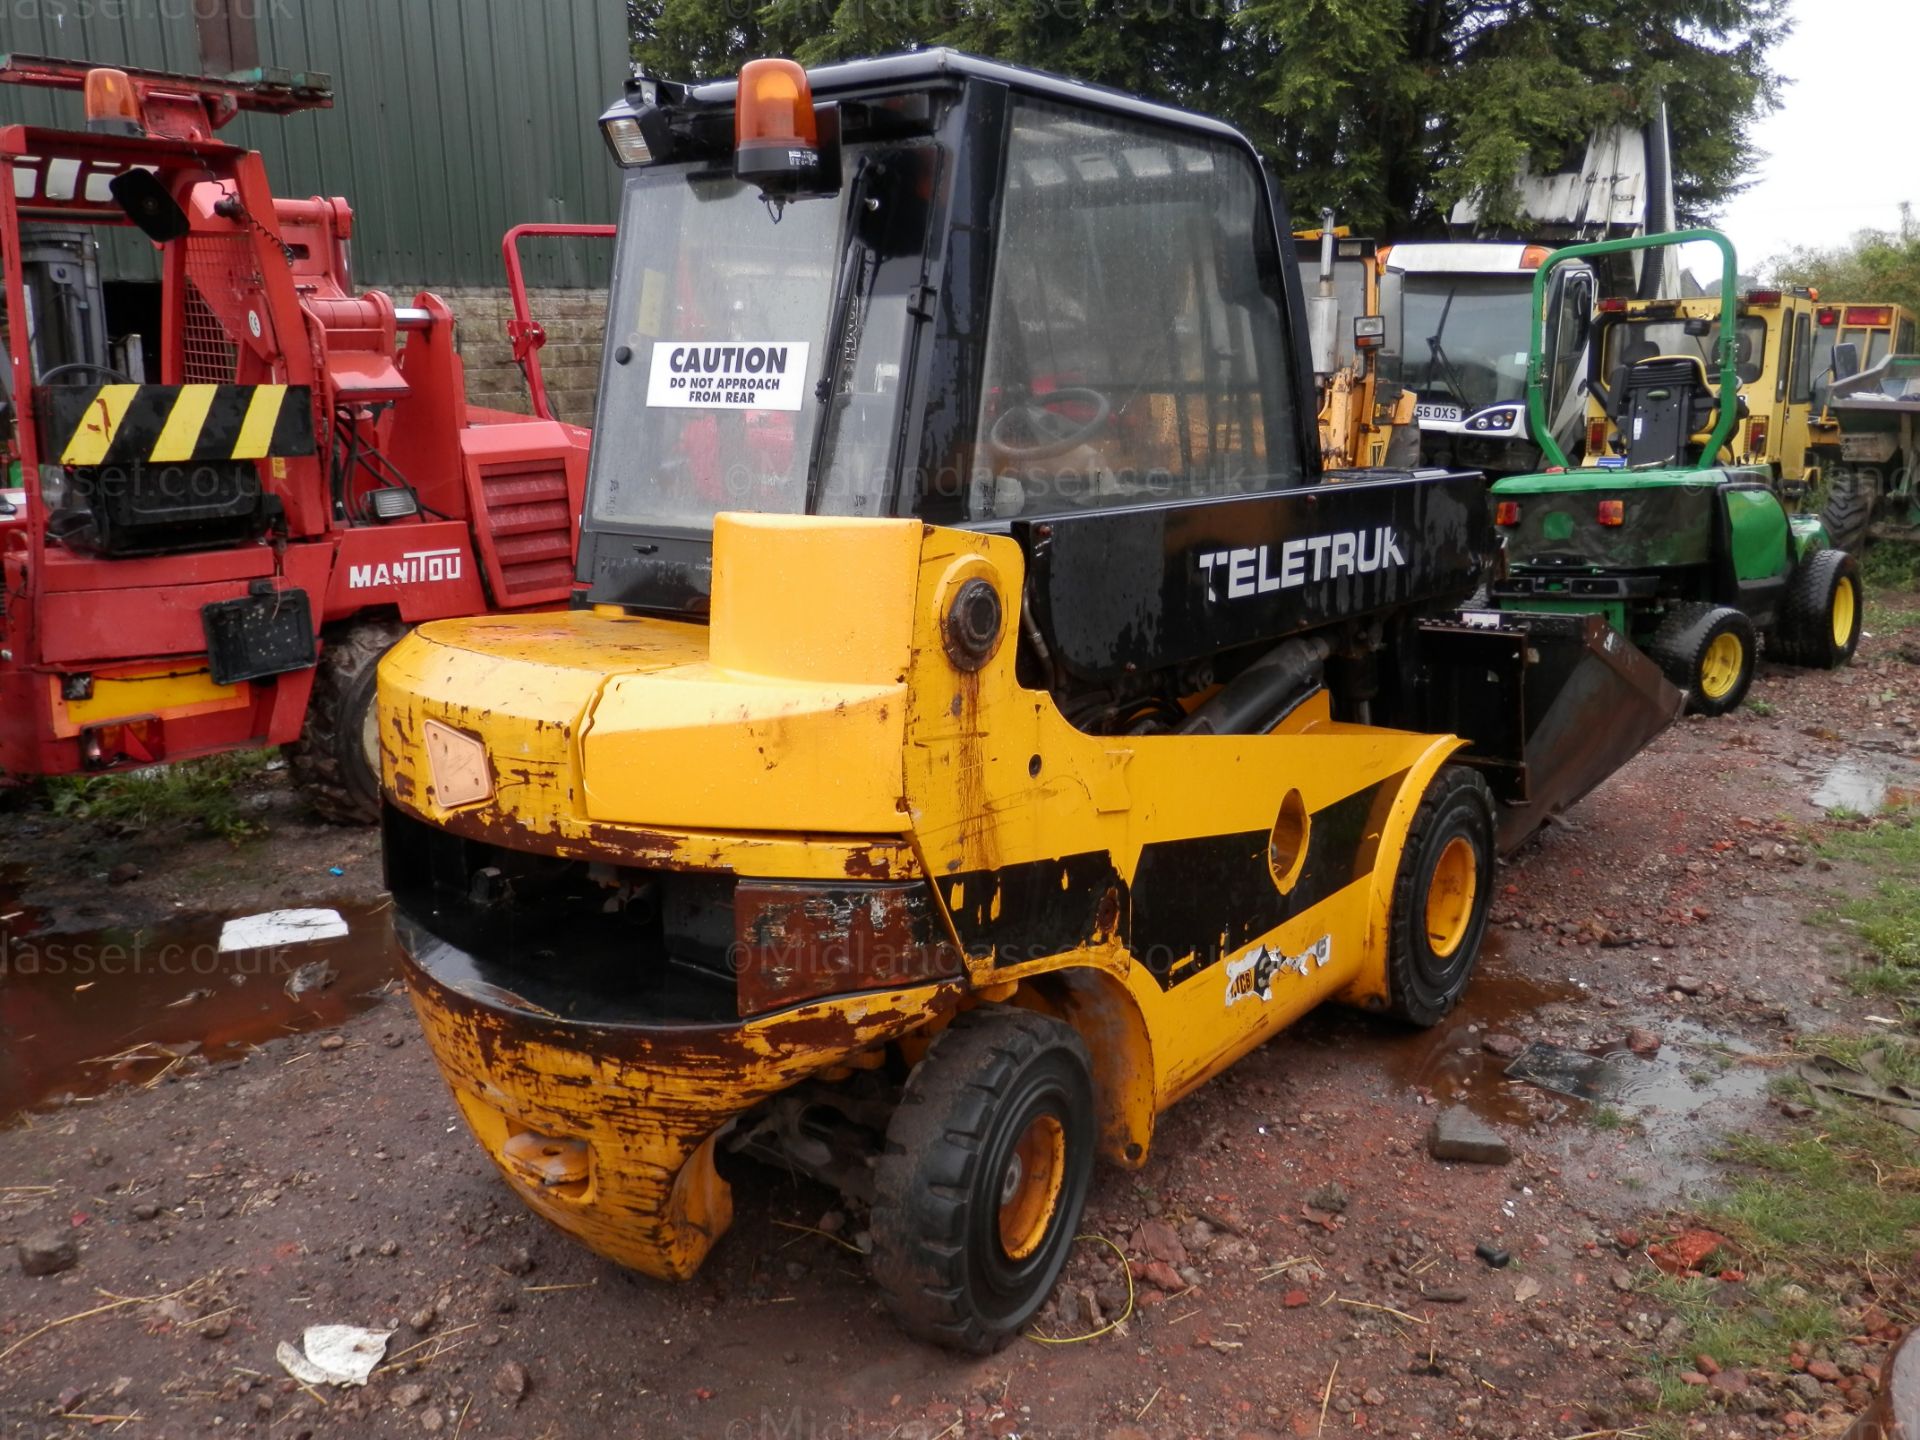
(1663, 401)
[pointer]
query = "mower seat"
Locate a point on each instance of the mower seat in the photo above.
(1663, 402)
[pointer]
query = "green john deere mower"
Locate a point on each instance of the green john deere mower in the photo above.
(1692, 556)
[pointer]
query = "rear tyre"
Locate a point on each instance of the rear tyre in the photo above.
(979, 1193)
(1440, 897)
(1820, 624)
(1848, 514)
(335, 763)
(1707, 651)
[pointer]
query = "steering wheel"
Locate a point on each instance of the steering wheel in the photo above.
(1047, 432)
(116, 376)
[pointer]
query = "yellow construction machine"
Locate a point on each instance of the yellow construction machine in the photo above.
(978, 725)
(1366, 421)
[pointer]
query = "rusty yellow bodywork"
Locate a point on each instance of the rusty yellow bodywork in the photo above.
(817, 728)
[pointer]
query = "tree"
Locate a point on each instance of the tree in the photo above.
(1388, 110)
(1878, 265)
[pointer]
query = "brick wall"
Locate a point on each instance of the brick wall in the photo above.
(569, 361)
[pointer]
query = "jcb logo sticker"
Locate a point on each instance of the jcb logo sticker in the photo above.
(1251, 977)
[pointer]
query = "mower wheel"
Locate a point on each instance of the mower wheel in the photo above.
(1707, 651)
(335, 763)
(1820, 625)
(1440, 897)
(978, 1195)
(1848, 514)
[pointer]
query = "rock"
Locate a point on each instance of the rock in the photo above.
(519, 1263)
(1163, 1276)
(1156, 1240)
(833, 1222)
(405, 1397)
(1687, 984)
(1621, 1280)
(432, 1420)
(215, 1326)
(389, 1248)
(333, 1042)
(1445, 1295)
(510, 1381)
(1294, 1299)
(1496, 1257)
(1196, 1235)
(1459, 1134)
(1643, 1391)
(1643, 1043)
(1374, 1397)
(1824, 1370)
(1728, 1382)
(48, 1253)
(1806, 1387)
(1506, 1047)
(1692, 1377)
(422, 1319)
(125, 873)
(146, 1210)
(1330, 1198)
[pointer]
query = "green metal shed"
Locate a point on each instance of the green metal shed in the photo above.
(451, 122)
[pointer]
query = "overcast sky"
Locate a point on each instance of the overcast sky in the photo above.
(1843, 150)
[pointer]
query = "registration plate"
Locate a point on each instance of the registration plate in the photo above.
(1429, 410)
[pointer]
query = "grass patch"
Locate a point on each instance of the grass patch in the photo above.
(1888, 919)
(199, 794)
(1758, 1333)
(1762, 708)
(1608, 1117)
(1892, 565)
(1827, 1200)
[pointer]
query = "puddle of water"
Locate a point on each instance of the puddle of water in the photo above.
(84, 1011)
(1865, 784)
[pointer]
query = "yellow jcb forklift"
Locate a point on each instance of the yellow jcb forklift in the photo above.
(1366, 421)
(980, 726)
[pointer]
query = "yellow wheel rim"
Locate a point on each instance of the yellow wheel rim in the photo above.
(1030, 1186)
(1720, 667)
(1843, 607)
(1450, 895)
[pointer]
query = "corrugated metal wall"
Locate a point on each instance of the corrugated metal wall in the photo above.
(451, 121)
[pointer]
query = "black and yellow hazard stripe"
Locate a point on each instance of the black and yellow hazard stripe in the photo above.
(94, 425)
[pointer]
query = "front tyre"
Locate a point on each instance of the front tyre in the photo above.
(335, 763)
(986, 1170)
(1441, 895)
(1820, 624)
(1707, 651)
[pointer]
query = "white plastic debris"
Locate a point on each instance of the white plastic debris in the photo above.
(335, 1355)
(280, 927)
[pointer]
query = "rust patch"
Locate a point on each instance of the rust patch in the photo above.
(794, 941)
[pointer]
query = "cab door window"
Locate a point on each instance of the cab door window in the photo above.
(1135, 351)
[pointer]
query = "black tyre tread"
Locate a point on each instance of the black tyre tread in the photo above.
(919, 1250)
(318, 762)
(1452, 780)
(1675, 648)
(1848, 514)
(1803, 636)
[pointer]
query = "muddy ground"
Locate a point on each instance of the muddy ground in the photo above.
(255, 1164)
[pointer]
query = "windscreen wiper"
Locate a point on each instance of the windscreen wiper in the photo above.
(1437, 354)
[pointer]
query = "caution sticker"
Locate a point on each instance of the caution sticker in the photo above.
(733, 375)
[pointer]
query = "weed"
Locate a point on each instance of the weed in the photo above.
(1891, 565)
(1888, 919)
(1762, 708)
(1843, 813)
(196, 793)
(1607, 1117)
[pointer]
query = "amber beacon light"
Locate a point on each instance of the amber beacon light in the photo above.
(777, 141)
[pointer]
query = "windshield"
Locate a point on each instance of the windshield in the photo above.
(716, 332)
(1632, 340)
(1463, 338)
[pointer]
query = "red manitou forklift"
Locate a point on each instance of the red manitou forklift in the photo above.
(217, 560)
